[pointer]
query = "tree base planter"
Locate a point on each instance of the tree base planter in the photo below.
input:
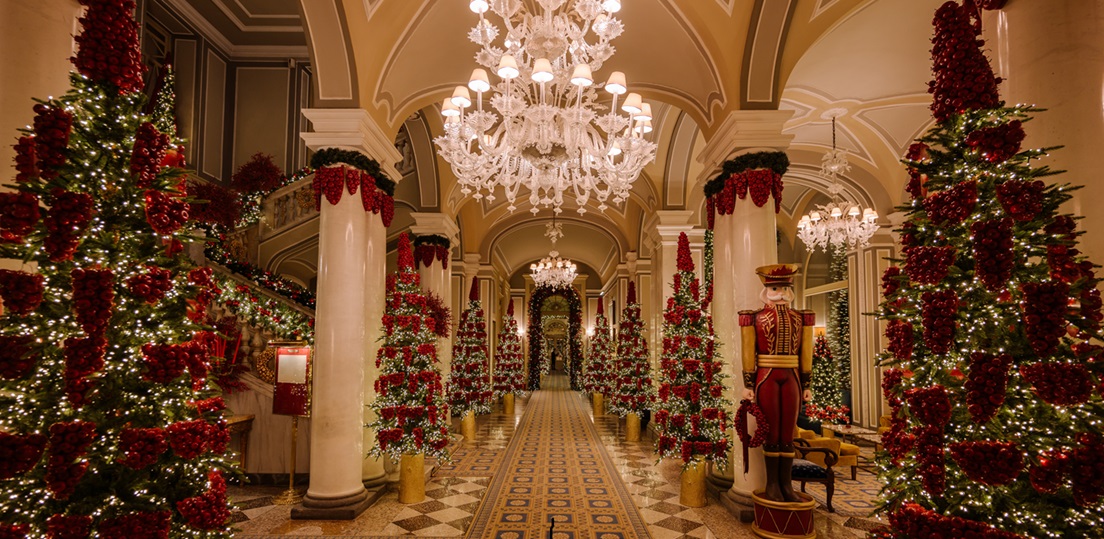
(632, 428)
(508, 404)
(467, 426)
(596, 401)
(783, 520)
(412, 478)
(692, 491)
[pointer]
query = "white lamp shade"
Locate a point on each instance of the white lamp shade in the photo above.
(461, 97)
(644, 126)
(479, 82)
(615, 148)
(814, 216)
(616, 83)
(612, 6)
(836, 212)
(645, 113)
(507, 67)
(853, 211)
(632, 104)
(542, 70)
(581, 76)
(870, 215)
(449, 109)
(479, 6)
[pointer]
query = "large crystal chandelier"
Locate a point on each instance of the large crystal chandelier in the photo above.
(539, 126)
(552, 270)
(838, 224)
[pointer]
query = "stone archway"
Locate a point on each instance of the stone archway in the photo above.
(536, 334)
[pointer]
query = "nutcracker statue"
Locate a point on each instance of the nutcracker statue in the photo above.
(778, 361)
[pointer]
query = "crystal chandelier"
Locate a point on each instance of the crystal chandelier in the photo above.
(552, 270)
(540, 125)
(839, 224)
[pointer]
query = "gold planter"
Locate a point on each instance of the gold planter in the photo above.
(467, 426)
(412, 478)
(632, 428)
(596, 400)
(692, 491)
(508, 404)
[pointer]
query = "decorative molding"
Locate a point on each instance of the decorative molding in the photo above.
(435, 223)
(821, 7)
(770, 23)
(353, 129)
(233, 17)
(331, 56)
(252, 15)
(221, 42)
(744, 129)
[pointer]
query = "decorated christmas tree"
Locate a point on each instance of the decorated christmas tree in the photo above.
(469, 386)
(691, 407)
(509, 373)
(839, 321)
(410, 407)
(993, 319)
(108, 423)
(827, 404)
(599, 364)
(633, 392)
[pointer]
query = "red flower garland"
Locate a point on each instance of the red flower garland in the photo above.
(1044, 306)
(951, 206)
(931, 405)
(68, 527)
(18, 216)
(108, 46)
(52, 127)
(19, 453)
(963, 79)
(900, 336)
(985, 385)
(987, 462)
(999, 143)
(66, 221)
(762, 427)
(148, 153)
(209, 510)
(938, 311)
(146, 525)
(332, 181)
(21, 291)
(1022, 200)
(762, 182)
(1060, 384)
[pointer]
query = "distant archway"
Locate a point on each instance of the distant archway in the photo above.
(536, 334)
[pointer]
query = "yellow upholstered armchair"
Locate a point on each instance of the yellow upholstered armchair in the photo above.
(848, 453)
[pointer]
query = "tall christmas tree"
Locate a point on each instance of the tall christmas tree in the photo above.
(691, 407)
(509, 373)
(108, 423)
(633, 392)
(839, 320)
(410, 407)
(596, 377)
(827, 403)
(469, 386)
(992, 319)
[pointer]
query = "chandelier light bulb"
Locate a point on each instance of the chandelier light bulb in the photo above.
(479, 7)
(542, 70)
(632, 104)
(508, 68)
(479, 82)
(612, 6)
(449, 109)
(601, 22)
(461, 97)
(581, 76)
(616, 83)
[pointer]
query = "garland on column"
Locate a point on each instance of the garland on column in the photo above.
(827, 404)
(691, 408)
(633, 392)
(469, 384)
(509, 374)
(993, 322)
(410, 407)
(430, 247)
(536, 333)
(839, 321)
(338, 171)
(759, 173)
(108, 422)
(599, 364)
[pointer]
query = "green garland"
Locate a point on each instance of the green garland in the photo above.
(331, 156)
(436, 240)
(776, 161)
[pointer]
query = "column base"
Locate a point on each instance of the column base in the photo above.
(344, 508)
(738, 505)
(718, 483)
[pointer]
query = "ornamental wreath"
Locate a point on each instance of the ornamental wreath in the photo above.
(762, 427)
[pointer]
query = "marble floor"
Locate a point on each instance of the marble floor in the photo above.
(454, 492)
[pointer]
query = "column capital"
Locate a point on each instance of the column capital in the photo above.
(352, 129)
(666, 226)
(426, 223)
(744, 130)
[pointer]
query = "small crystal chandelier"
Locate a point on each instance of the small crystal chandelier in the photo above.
(543, 129)
(552, 270)
(836, 225)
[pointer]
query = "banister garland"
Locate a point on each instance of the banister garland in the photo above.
(759, 172)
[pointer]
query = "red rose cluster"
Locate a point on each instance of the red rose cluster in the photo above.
(1088, 470)
(68, 526)
(938, 310)
(16, 360)
(930, 460)
(93, 299)
(762, 182)
(993, 252)
(913, 520)
(146, 525)
(142, 447)
(900, 336)
(165, 213)
(931, 405)
(1060, 384)
(1050, 471)
(425, 255)
(18, 216)
(83, 356)
(985, 385)
(1044, 306)
(51, 126)
(997, 144)
(65, 222)
(951, 206)
(1022, 200)
(891, 281)
(166, 362)
(19, 453)
(151, 286)
(928, 265)
(148, 153)
(21, 291)
(68, 442)
(189, 439)
(963, 79)
(108, 45)
(209, 510)
(988, 462)
(25, 166)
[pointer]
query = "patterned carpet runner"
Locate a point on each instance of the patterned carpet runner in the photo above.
(556, 467)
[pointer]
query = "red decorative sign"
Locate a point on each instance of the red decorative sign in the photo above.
(291, 393)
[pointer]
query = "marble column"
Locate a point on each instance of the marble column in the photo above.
(372, 470)
(665, 230)
(435, 278)
(1051, 55)
(864, 275)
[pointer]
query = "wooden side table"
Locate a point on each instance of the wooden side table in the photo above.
(241, 425)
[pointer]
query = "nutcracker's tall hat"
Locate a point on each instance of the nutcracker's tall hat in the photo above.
(778, 274)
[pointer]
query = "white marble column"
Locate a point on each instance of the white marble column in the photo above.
(1051, 55)
(865, 267)
(372, 471)
(665, 230)
(435, 278)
